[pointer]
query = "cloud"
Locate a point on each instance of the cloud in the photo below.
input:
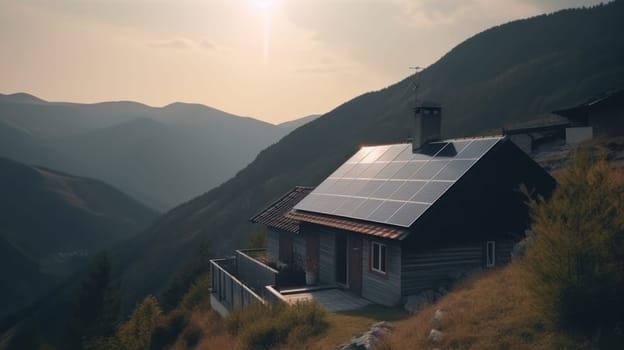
(207, 45)
(177, 43)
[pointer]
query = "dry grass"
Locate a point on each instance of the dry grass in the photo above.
(342, 326)
(205, 331)
(494, 310)
(491, 311)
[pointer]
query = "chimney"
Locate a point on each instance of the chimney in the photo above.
(427, 120)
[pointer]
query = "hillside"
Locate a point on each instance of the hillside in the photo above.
(504, 74)
(51, 223)
(161, 156)
(294, 124)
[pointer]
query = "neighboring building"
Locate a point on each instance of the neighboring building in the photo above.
(601, 116)
(396, 220)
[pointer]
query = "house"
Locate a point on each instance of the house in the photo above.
(600, 116)
(396, 220)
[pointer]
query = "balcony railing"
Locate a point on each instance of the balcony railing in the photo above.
(242, 279)
(253, 271)
(227, 289)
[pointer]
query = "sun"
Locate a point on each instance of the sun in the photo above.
(264, 4)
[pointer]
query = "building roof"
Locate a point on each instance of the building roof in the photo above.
(391, 185)
(610, 95)
(369, 228)
(544, 122)
(273, 215)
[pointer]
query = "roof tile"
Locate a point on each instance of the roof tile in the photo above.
(273, 215)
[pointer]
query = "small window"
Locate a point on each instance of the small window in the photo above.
(378, 257)
(490, 254)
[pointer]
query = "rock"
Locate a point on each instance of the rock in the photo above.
(438, 316)
(368, 339)
(417, 302)
(519, 248)
(435, 336)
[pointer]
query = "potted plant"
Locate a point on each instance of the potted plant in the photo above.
(311, 271)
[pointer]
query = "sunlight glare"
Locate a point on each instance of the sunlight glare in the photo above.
(264, 4)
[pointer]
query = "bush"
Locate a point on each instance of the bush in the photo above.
(196, 295)
(576, 255)
(167, 333)
(263, 327)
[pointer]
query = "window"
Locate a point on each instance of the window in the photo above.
(378, 257)
(490, 254)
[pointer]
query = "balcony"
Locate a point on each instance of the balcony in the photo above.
(240, 280)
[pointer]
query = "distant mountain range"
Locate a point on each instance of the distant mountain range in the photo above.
(161, 156)
(51, 223)
(505, 74)
(294, 124)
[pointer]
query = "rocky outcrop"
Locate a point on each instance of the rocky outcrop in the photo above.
(417, 302)
(368, 339)
(435, 334)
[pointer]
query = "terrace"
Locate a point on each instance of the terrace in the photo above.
(248, 277)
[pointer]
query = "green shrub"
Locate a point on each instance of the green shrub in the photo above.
(576, 254)
(264, 326)
(197, 294)
(167, 333)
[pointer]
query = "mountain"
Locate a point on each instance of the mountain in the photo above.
(51, 222)
(505, 74)
(161, 156)
(294, 124)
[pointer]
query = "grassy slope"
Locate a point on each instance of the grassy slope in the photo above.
(494, 310)
(491, 311)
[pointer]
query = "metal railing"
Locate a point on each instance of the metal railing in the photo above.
(229, 290)
(254, 273)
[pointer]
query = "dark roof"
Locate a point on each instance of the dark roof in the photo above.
(273, 215)
(544, 122)
(391, 185)
(610, 95)
(369, 228)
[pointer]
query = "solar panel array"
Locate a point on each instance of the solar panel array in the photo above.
(391, 184)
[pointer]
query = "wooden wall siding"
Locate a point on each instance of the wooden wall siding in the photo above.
(272, 244)
(299, 250)
(382, 289)
(327, 266)
(434, 268)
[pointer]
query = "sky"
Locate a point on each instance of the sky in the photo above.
(274, 60)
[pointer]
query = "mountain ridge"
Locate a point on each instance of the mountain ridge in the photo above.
(52, 221)
(208, 145)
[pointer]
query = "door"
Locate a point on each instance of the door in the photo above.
(313, 251)
(355, 264)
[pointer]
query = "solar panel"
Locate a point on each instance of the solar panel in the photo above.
(391, 184)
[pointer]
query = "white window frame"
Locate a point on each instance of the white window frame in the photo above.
(378, 246)
(490, 261)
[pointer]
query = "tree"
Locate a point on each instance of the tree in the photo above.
(98, 302)
(136, 333)
(257, 239)
(576, 255)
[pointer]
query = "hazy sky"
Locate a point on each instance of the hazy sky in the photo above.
(273, 60)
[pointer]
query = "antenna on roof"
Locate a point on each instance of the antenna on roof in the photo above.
(415, 84)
